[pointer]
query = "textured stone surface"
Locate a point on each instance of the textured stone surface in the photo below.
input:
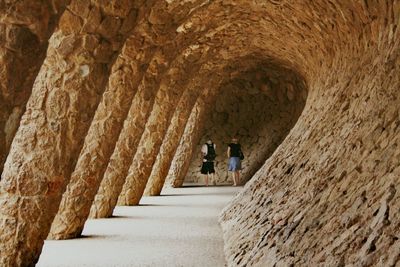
(170, 142)
(157, 125)
(181, 160)
(86, 178)
(126, 146)
(25, 27)
(64, 97)
(99, 143)
(329, 194)
(259, 107)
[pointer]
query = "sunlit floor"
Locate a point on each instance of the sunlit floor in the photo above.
(179, 228)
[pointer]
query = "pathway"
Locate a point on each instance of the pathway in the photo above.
(179, 228)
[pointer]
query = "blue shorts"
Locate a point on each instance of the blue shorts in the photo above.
(234, 164)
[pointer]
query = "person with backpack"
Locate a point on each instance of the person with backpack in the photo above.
(208, 156)
(235, 156)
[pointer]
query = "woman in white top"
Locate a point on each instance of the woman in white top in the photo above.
(208, 155)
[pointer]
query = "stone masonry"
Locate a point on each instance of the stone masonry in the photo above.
(103, 100)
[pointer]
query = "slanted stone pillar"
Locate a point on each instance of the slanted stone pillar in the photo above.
(128, 140)
(24, 33)
(175, 131)
(100, 141)
(181, 161)
(59, 111)
(117, 169)
(171, 141)
(157, 124)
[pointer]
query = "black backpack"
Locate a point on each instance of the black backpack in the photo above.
(241, 155)
(210, 152)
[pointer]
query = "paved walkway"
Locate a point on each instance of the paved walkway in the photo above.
(179, 228)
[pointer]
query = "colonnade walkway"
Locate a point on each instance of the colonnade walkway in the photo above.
(178, 228)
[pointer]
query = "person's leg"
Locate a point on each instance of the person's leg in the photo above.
(237, 177)
(206, 179)
(204, 171)
(231, 168)
(212, 172)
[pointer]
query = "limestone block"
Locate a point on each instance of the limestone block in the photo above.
(70, 23)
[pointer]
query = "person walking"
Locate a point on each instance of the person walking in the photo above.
(235, 156)
(208, 156)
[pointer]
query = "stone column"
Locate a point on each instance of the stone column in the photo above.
(181, 161)
(59, 111)
(100, 141)
(125, 149)
(121, 159)
(156, 127)
(24, 33)
(170, 142)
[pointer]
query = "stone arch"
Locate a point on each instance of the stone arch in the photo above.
(334, 175)
(259, 106)
(146, 42)
(25, 29)
(315, 194)
(58, 114)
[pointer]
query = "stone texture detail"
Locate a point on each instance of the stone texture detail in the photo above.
(181, 161)
(25, 27)
(170, 143)
(47, 143)
(204, 91)
(328, 196)
(259, 107)
(103, 133)
(117, 170)
(128, 141)
(157, 124)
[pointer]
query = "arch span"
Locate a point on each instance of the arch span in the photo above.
(328, 193)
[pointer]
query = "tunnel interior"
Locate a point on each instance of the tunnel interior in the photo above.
(311, 89)
(259, 105)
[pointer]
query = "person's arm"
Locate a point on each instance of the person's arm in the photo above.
(204, 150)
(228, 152)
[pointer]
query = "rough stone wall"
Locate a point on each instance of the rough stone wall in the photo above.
(180, 163)
(259, 109)
(156, 127)
(181, 160)
(108, 121)
(64, 98)
(25, 27)
(131, 134)
(98, 146)
(170, 142)
(125, 148)
(329, 196)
